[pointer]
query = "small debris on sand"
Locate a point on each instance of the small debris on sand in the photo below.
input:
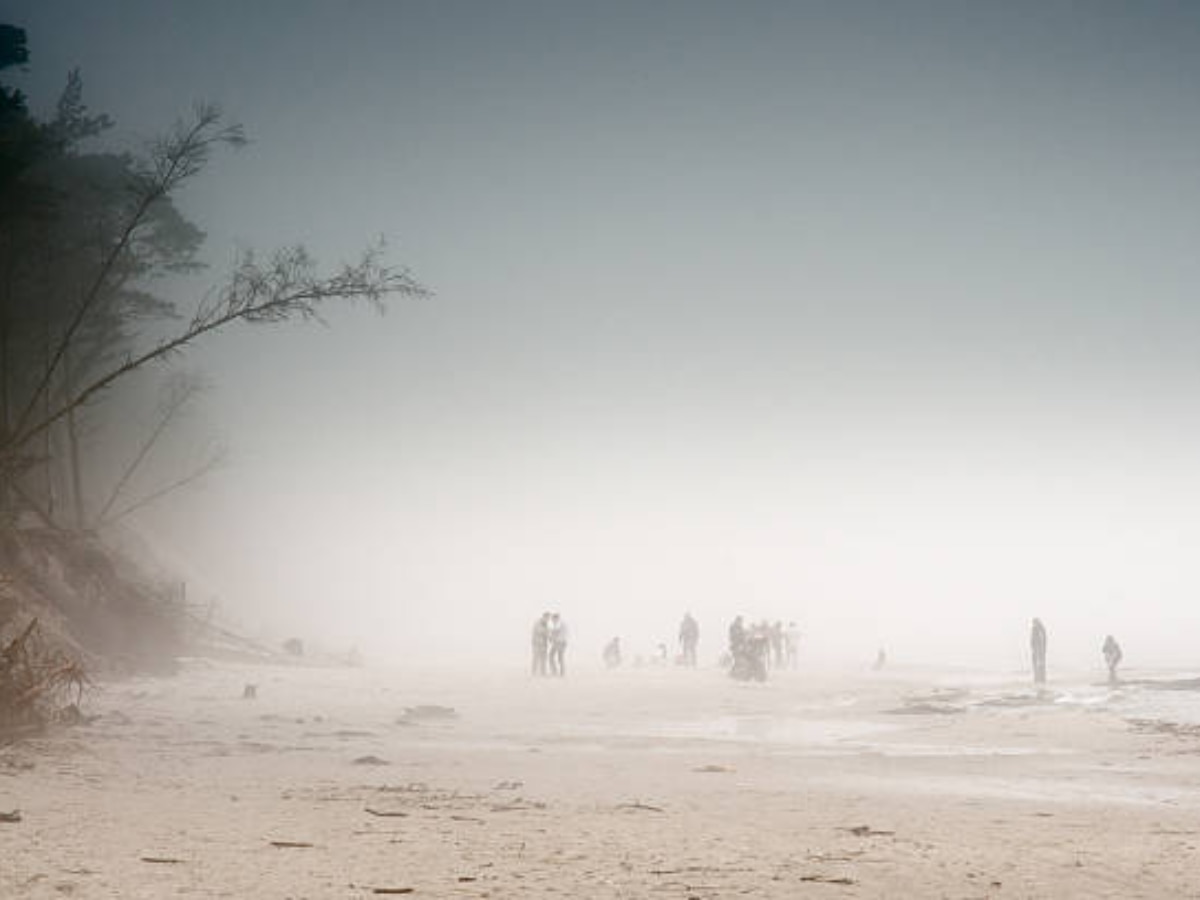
(828, 879)
(865, 831)
(924, 709)
(637, 805)
(371, 760)
(427, 712)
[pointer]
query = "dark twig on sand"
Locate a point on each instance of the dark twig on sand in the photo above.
(638, 805)
(865, 831)
(829, 879)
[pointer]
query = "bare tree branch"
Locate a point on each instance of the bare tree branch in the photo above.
(286, 287)
(173, 159)
(213, 462)
(179, 395)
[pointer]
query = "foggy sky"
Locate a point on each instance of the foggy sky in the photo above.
(876, 316)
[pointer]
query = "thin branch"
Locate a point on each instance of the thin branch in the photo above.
(173, 160)
(285, 288)
(175, 403)
(205, 468)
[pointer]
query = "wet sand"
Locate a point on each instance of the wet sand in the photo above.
(651, 783)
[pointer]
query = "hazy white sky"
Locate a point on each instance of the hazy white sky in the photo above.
(878, 316)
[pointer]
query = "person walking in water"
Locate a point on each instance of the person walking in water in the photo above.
(1112, 657)
(1037, 644)
(689, 638)
(558, 645)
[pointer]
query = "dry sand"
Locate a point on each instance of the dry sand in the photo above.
(651, 783)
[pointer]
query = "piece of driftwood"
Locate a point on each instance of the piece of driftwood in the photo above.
(638, 805)
(169, 860)
(386, 812)
(300, 844)
(11, 817)
(387, 890)
(370, 760)
(829, 879)
(865, 831)
(428, 712)
(37, 682)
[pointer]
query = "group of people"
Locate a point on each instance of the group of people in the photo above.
(753, 649)
(689, 641)
(1037, 646)
(550, 645)
(756, 648)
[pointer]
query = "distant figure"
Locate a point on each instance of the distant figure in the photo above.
(1037, 644)
(737, 637)
(612, 653)
(775, 633)
(689, 638)
(541, 644)
(880, 661)
(558, 645)
(250, 692)
(791, 645)
(1112, 657)
(753, 654)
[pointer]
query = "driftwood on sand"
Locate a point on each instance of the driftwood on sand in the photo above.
(37, 682)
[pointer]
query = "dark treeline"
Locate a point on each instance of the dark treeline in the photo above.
(89, 239)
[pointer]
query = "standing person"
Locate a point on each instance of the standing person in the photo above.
(541, 643)
(1037, 644)
(558, 645)
(791, 644)
(612, 653)
(737, 637)
(689, 638)
(1112, 657)
(776, 635)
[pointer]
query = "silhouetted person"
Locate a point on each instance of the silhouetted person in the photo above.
(737, 637)
(1037, 644)
(612, 653)
(689, 638)
(776, 637)
(1112, 657)
(751, 659)
(541, 643)
(558, 645)
(791, 645)
(880, 660)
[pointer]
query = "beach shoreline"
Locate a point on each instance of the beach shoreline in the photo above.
(354, 782)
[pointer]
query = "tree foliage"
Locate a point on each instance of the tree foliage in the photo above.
(86, 239)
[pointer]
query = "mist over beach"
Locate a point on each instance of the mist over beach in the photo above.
(681, 449)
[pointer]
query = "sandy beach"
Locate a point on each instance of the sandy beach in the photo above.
(358, 782)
